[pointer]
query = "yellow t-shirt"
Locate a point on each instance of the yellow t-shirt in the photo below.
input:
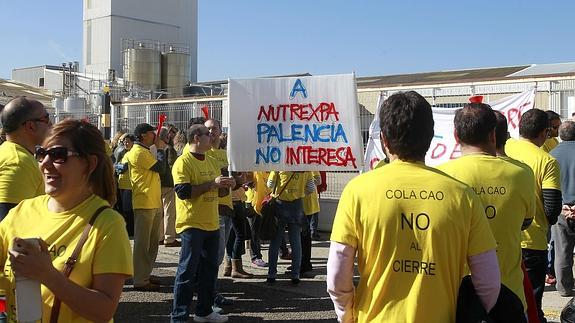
(506, 191)
(547, 176)
(199, 212)
(146, 187)
(250, 192)
(107, 249)
(413, 228)
(261, 190)
(20, 176)
(221, 157)
(311, 201)
(295, 188)
(549, 144)
(124, 178)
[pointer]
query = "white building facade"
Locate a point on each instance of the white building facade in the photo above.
(107, 22)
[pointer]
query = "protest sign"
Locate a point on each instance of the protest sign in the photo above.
(294, 124)
(443, 146)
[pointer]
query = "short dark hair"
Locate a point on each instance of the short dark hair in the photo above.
(195, 130)
(474, 122)
(567, 131)
(552, 115)
(196, 120)
(532, 123)
(501, 130)
(406, 122)
(17, 111)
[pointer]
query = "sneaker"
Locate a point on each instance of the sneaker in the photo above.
(213, 317)
(259, 263)
(217, 309)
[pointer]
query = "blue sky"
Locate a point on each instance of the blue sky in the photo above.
(262, 37)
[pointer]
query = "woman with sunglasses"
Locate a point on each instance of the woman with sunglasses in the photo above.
(79, 182)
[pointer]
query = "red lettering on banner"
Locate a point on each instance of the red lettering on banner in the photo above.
(437, 155)
(511, 115)
(324, 111)
(309, 155)
(456, 151)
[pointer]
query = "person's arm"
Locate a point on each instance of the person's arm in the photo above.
(552, 204)
(340, 280)
(120, 168)
(186, 190)
(97, 303)
(485, 276)
(160, 165)
(310, 186)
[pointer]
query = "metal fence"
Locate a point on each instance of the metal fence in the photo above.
(552, 95)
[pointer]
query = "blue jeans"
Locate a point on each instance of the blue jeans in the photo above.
(198, 263)
(290, 214)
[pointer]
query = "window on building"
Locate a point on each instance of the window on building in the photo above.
(41, 82)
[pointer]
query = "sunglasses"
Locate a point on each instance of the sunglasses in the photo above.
(58, 155)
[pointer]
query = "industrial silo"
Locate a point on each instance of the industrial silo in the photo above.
(175, 69)
(74, 105)
(142, 64)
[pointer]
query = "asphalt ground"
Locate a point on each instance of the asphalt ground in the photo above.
(254, 300)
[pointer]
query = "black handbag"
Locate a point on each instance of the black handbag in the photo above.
(269, 224)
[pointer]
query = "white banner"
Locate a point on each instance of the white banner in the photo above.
(443, 146)
(295, 123)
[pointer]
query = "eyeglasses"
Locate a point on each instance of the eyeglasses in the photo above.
(58, 155)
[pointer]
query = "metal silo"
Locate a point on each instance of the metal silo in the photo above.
(142, 64)
(175, 69)
(75, 106)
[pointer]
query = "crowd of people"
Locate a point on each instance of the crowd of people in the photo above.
(464, 241)
(155, 185)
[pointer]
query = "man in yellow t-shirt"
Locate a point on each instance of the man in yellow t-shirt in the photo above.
(506, 191)
(554, 124)
(197, 179)
(147, 203)
(26, 124)
(533, 130)
(289, 189)
(414, 230)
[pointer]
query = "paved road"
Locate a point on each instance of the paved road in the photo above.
(257, 302)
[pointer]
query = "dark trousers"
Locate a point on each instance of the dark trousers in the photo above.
(198, 263)
(235, 246)
(536, 267)
(255, 222)
(306, 245)
(127, 210)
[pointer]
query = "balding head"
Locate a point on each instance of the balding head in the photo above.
(567, 131)
(18, 111)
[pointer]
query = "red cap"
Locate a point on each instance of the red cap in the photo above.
(476, 99)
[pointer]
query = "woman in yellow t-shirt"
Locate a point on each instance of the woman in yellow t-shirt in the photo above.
(79, 180)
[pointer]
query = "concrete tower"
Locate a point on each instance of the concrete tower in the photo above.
(107, 22)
